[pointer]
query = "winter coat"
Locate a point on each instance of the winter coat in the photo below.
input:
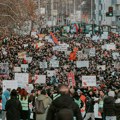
(5, 97)
(90, 105)
(64, 101)
(109, 106)
(117, 107)
(13, 108)
(46, 101)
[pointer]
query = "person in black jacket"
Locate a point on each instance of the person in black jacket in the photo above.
(64, 107)
(109, 106)
(90, 107)
(117, 106)
(13, 107)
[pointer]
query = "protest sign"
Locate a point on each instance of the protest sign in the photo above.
(82, 64)
(34, 34)
(25, 45)
(103, 67)
(117, 65)
(28, 59)
(104, 35)
(67, 52)
(24, 67)
(71, 79)
(51, 73)
(92, 52)
(43, 64)
(54, 63)
(81, 56)
(40, 79)
(17, 69)
(21, 55)
(4, 69)
(29, 88)
(115, 55)
(10, 84)
(62, 47)
(22, 79)
(88, 80)
(110, 46)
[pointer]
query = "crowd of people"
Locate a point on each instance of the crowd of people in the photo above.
(61, 100)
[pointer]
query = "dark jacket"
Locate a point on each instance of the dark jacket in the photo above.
(109, 106)
(90, 105)
(13, 108)
(117, 107)
(64, 101)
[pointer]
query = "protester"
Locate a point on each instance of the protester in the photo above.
(13, 107)
(109, 106)
(23, 97)
(5, 98)
(62, 103)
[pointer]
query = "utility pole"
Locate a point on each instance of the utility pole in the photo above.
(92, 11)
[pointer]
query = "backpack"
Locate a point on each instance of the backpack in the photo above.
(39, 107)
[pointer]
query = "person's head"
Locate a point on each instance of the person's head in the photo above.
(23, 94)
(111, 93)
(63, 89)
(13, 93)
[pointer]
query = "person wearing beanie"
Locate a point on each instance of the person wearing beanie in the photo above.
(109, 106)
(117, 106)
(13, 106)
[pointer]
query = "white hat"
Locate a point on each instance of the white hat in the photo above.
(111, 93)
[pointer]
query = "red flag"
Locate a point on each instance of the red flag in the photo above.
(72, 56)
(54, 38)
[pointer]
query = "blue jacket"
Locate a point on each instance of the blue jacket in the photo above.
(5, 97)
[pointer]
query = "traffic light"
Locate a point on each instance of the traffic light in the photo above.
(110, 12)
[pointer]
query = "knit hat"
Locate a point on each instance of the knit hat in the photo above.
(111, 93)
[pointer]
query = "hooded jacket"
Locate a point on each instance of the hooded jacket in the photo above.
(117, 107)
(109, 106)
(5, 97)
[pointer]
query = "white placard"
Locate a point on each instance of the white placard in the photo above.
(17, 69)
(92, 52)
(54, 63)
(103, 67)
(40, 79)
(82, 64)
(115, 55)
(104, 35)
(81, 56)
(29, 59)
(24, 67)
(22, 79)
(10, 84)
(110, 46)
(88, 80)
(61, 47)
(67, 52)
(43, 64)
(51, 73)
(25, 45)
(29, 88)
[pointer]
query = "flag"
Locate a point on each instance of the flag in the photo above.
(55, 40)
(72, 56)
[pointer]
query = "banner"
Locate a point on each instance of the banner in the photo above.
(17, 69)
(54, 63)
(9, 84)
(21, 55)
(92, 52)
(40, 79)
(22, 79)
(110, 46)
(4, 69)
(81, 64)
(88, 80)
(71, 79)
(103, 67)
(43, 64)
(81, 56)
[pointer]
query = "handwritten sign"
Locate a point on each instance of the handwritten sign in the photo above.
(81, 64)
